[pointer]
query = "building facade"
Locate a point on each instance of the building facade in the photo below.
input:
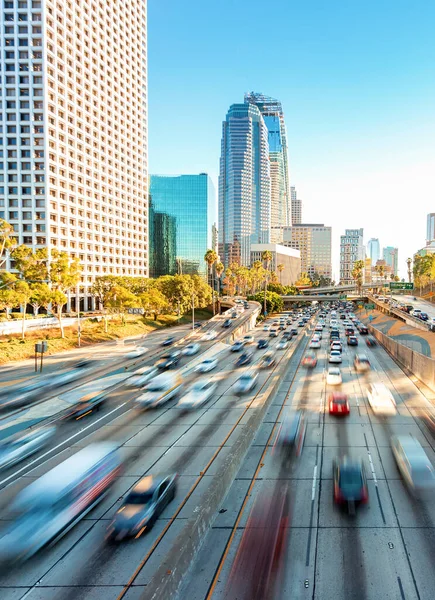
(273, 115)
(430, 229)
(73, 133)
(351, 250)
(182, 223)
(288, 257)
(391, 258)
(314, 244)
(244, 184)
(296, 207)
(374, 250)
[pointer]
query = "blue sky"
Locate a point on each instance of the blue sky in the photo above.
(357, 84)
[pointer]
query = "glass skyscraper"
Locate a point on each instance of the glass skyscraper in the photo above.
(182, 218)
(244, 184)
(273, 116)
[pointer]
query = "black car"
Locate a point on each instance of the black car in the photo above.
(262, 344)
(371, 342)
(197, 324)
(363, 330)
(227, 323)
(287, 335)
(142, 506)
(167, 361)
(168, 342)
(86, 405)
(424, 316)
(350, 484)
(244, 359)
(301, 323)
(352, 340)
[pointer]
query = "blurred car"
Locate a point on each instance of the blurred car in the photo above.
(246, 383)
(413, 464)
(208, 364)
(336, 345)
(361, 363)
(262, 344)
(142, 506)
(335, 356)
(381, 400)
(267, 361)
(249, 339)
(198, 394)
(168, 341)
(227, 323)
(318, 328)
(136, 352)
(65, 377)
(197, 324)
(301, 323)
(424, 316)
(314, 344)
(273, 332)
(428, 416)
(333, 376)
(190, 349)
(142, 376)
(282, 344)
(309, 360)
(209, 336)
(352, 341)
(266, 327)
(244, 359)
(16, 449)
(291, 434)
(160, 390)
(294, 331)
(363, 330)
(167, 361)
(371, 342)
(86, 405)
(350, 483)
(238, 345)
(338, 404)
(234, 315)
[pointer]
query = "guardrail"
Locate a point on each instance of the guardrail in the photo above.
(409, 319)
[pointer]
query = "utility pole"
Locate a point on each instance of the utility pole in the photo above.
(193, 310)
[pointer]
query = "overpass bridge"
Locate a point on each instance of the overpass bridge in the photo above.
(306, 298)
(341, 288)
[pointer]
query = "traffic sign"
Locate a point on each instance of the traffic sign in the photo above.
(343, 296)
(369, 306)
(399, 285)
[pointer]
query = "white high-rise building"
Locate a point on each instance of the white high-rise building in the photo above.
(351, 250)
(73, 164)
(296, 207)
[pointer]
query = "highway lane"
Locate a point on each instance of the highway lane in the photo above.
(118, 402)
(387, 550)
(423, 305)
(154, 440)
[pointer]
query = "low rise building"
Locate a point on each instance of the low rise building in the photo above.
(281, 255)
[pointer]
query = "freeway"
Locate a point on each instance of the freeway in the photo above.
(423, 305)
(385, 551)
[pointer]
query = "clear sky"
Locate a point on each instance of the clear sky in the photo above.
(357, 84)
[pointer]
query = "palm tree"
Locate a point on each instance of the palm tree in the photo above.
(266, 256)
(357, 274)
(219, 268)
(280, 268)
(210, 258)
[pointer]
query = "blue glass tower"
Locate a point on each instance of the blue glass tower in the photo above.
(244, 184)
(182, 217)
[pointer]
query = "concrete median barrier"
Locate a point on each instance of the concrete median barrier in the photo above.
(167, 581)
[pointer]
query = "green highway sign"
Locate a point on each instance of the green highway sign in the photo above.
(343, 296)
(398, 285)
(369, 306)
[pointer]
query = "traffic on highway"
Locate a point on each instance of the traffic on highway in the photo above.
(292, 459)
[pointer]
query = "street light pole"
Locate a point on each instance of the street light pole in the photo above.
(193, 310)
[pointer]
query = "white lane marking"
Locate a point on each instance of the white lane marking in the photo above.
(14, 475)
(313, 489)
(372, 468)
(356, 400)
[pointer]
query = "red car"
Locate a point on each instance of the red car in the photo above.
(338, 404)
(309, 360)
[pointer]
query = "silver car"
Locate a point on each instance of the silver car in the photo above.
(413, 464)
(19, 448)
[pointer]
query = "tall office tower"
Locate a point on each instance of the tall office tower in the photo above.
(182, 223)
(314, 243)
(280, 207)
(351, 250)
(391, 258)
(430, 229)
(73, 105)
(244, 184)
(374, 250)
(296, 207)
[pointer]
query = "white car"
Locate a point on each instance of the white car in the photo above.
(136, 352)
(19, 448)
(413, 464)
(266, 327)
(209, 336)
(333, 376)
(249, 339)
(381, 400)
(282, 345)
(206, 365)
(246, 383)
(315, 344)
(333, 323)
(190, 349)
(335, 356)
(198, 394)
(142, 376)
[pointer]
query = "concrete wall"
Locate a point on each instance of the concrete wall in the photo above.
(423, 367)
